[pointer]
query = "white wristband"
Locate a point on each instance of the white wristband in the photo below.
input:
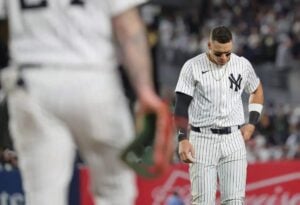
(255, 107)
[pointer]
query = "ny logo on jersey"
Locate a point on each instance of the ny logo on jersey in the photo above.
(236, 82)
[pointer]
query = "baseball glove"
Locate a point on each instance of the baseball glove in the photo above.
(149, 155)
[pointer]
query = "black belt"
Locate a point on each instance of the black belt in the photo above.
(220, 131)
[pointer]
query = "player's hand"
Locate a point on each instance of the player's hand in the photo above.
(148, 101)
(186, 151)
(247, 131)
(9, 156)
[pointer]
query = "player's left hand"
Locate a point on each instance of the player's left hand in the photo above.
(247, 131)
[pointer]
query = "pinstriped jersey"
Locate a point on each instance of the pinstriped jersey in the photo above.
(216, 90)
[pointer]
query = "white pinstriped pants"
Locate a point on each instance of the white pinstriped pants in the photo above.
(65, 105)
(222, 157)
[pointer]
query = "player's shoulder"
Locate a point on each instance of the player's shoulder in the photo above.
(241, 62)
(198, 59)
(239, 59)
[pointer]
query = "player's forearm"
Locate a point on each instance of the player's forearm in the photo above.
(181, 114)
(256, 102)
(257, 97)
(130, 33)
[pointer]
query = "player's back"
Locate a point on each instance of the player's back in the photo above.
(61, 31)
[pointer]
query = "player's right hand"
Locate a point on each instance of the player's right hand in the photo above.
(186, 151)
(148, 101)
(247, 131)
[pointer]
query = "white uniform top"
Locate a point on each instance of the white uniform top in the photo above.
(216, 90)
(63, 31)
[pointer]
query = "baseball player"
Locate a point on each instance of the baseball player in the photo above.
(64, 90)
(208, 100)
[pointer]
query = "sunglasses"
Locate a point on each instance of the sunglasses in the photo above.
(219, 54)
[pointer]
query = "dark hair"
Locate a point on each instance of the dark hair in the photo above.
(221, 34)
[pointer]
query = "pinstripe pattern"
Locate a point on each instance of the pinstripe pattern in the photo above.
(216, 92)
(214, 101)
(222, 155)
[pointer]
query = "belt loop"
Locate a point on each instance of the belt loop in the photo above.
(20, 81)
(229, 130)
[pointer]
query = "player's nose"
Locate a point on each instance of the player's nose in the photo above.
(223, 56)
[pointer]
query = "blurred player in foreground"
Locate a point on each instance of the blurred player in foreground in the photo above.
(63, 91)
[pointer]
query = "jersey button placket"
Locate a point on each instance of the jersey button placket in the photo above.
(223, 97)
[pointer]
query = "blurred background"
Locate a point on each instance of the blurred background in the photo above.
(267, 33)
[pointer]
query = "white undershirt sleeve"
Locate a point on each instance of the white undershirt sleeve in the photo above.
(186, 83)
(252, 79)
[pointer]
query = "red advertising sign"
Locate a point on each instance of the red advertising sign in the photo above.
(273, 183)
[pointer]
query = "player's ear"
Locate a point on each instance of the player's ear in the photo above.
(209, 45)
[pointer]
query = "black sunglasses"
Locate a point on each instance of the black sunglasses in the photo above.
(219, 54)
